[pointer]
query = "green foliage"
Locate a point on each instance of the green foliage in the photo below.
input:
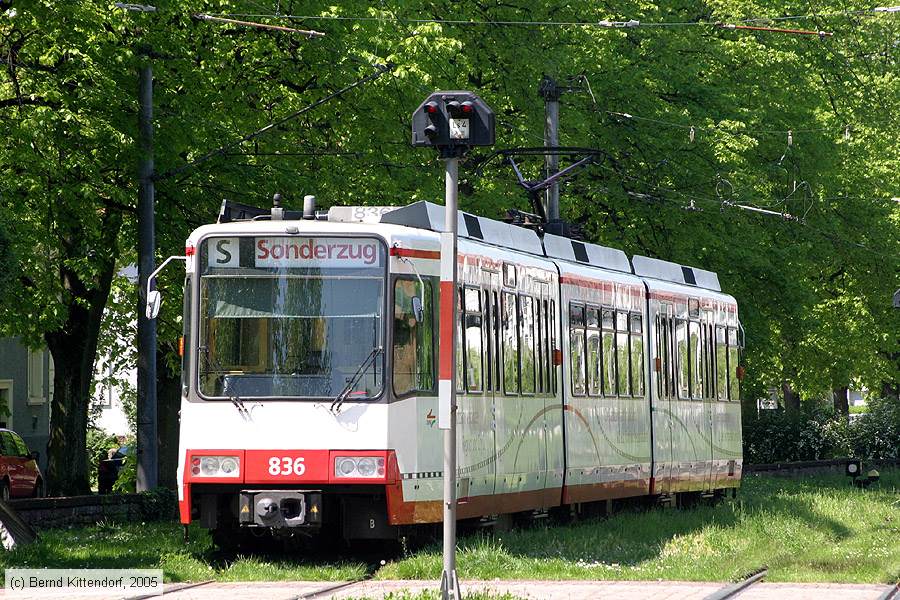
(126, 483)
(159, 504)
(814, 291)
(815, 433)
(98, 444)
(876, 434)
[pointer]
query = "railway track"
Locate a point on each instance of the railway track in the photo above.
(736, 588)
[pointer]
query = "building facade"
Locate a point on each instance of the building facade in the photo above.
(26, 391)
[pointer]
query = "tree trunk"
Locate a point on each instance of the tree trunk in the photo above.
(74, 348)
(841, 397)
(168, 398)
(791, 397)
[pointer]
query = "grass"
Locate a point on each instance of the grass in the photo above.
(815, 529)
(158, 545)
(805, 530)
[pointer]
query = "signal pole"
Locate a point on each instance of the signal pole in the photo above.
(447, 371)
(451, 123)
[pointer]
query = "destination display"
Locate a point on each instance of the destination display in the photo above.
(294, 252)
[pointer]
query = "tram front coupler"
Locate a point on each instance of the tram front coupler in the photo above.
(277, 509)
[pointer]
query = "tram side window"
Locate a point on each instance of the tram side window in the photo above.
(608, 354)
(510, 344)
(552, 326)
(526, 352)
(539, 346)
(576, 328)
(548, 349)
(624, 378)
(474, 349)
(495, 334)
(733, 362)
(662, 328)
(594, 362)
(637, 356)
(413, 337)
(709, 346)
(488, 343)
(696, 360)
(460, 342)
(681, 349)
(721, 365)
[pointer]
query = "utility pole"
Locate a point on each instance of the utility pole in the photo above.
(147, 441)
(146, 406)
(551, 92)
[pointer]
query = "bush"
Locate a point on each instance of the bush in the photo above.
(815, 433)
(126, 483)
(98, 444)
(159, 504)
(875, 435)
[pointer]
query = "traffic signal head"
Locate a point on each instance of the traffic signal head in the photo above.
(453, 121)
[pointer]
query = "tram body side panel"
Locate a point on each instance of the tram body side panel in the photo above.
(607, 436)
(503, 456)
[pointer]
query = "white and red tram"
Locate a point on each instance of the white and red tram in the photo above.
(310, 374)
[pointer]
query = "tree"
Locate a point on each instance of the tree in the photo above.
(811, 288)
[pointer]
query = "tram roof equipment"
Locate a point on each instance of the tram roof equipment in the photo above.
(427, 215)
(676, 273)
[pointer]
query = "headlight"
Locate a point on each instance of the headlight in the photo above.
(359, 467)
(215, 466)
(209, 465)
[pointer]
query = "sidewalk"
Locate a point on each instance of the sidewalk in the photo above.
(534, 590)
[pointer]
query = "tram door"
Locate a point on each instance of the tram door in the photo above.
(665, 392)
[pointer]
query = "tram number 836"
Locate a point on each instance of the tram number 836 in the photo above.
(286, 465)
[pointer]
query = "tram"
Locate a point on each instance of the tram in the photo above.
(309, 400)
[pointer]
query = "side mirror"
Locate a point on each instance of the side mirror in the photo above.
(154, 301)
(418, 311)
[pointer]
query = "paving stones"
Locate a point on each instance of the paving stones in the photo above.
(532, 590)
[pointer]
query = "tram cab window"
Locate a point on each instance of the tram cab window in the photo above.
(413, 355)
(276, 314)
(576, 339)
(186, 332)
(623, 378)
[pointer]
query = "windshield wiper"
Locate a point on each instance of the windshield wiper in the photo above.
(235, 399)
(351, 383)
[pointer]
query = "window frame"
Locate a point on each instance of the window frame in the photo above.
(504, 296)
(435, 347)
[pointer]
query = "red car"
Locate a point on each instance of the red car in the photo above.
(20, 476)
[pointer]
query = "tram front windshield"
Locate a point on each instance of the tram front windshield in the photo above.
(291, 317)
